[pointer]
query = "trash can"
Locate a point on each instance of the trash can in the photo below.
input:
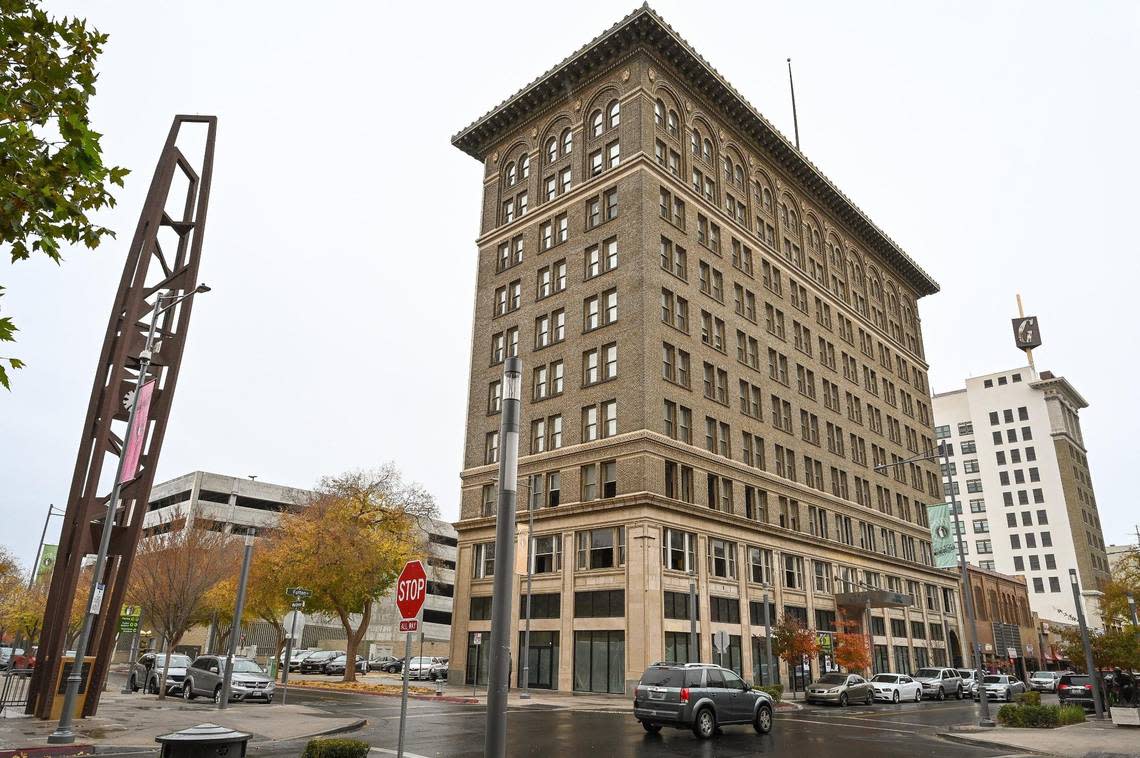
(203, 741)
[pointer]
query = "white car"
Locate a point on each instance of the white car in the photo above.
(421, 667)
(896, 687)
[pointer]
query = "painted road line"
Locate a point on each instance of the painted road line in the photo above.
(386, 751)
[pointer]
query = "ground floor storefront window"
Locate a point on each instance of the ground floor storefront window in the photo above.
(730, 658)
(882, 661)
(763, 670)
(599, 661)
(921, 657)
(902, 659)
(543, 660)
(478, 658)
(677, 647)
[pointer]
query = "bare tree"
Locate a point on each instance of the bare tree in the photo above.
(174, 568)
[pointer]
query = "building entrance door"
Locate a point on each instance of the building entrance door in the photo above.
(542, 660)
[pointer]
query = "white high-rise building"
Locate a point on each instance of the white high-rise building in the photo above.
(1022, 477)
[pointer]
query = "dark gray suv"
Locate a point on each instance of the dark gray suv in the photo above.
(699, 696)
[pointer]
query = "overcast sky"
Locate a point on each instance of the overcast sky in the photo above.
(994, 141)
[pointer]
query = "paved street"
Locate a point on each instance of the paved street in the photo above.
(447, 729)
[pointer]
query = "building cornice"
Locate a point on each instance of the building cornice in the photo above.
(646, 30)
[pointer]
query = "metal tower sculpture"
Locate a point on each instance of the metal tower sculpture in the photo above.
(163, 258)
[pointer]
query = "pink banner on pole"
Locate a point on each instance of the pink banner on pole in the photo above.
(137, 433)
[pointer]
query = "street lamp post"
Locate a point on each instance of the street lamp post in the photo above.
(18, 643)
(235, 625)
(943, 454)
(495, 741)
(1094, 680)
(694, 640)
(525, 694)
(64, 734)
(768, 638)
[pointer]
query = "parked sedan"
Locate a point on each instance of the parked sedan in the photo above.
(969, 680)
(1000, 687)
(1046, 681)
(439, 670)
(336, 665)
(420, 666)
(249, 681)
(295, 658)
(896, 687)
(147, 672)
(378, 663)
(314, 663)
(394, 666)
(841, 689)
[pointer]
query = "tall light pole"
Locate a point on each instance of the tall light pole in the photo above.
(235, 626)
(943, 454)
(52, 511)
(1094, 680)
(694, 640)
(768, 637)
(64, 734)
(495, 741)
(525, 694)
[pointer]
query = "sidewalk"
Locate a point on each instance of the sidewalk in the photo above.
(1093, 738)
(135, 720)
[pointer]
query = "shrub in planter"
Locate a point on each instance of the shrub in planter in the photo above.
(1029, 697)
(1039, 716)
(335, 748)
(1070, 714)
(775, 690)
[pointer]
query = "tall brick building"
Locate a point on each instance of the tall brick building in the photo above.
(718, 348)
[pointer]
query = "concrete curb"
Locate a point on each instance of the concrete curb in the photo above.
(411, 696)
(961, 738)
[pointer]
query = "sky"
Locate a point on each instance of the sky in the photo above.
(995, 142)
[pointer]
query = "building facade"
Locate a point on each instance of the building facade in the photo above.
(238, 505)
(1006, 627)
(1021, 467)
(718, 349)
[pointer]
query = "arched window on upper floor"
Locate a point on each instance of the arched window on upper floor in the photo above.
(597, 124)
(614, 114)
(552, 149)
(524, 166)
(696, 141)
(738, 175)
(567, 141)
(511, 174)
(672, 123)
(707, 150)
(659, 113)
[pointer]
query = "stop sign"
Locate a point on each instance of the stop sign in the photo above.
(411, 590)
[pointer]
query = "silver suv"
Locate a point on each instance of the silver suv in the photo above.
(701, 697)
(940, 683)
(148, 669)
(249, 682)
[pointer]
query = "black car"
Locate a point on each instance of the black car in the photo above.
(1075, 689)
(701, 697)
(378, 664)
(315, 663)
(336, 665)
(394, 666)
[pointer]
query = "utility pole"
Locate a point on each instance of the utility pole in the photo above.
(495, 741)
(1094, 679)
(235, 627)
